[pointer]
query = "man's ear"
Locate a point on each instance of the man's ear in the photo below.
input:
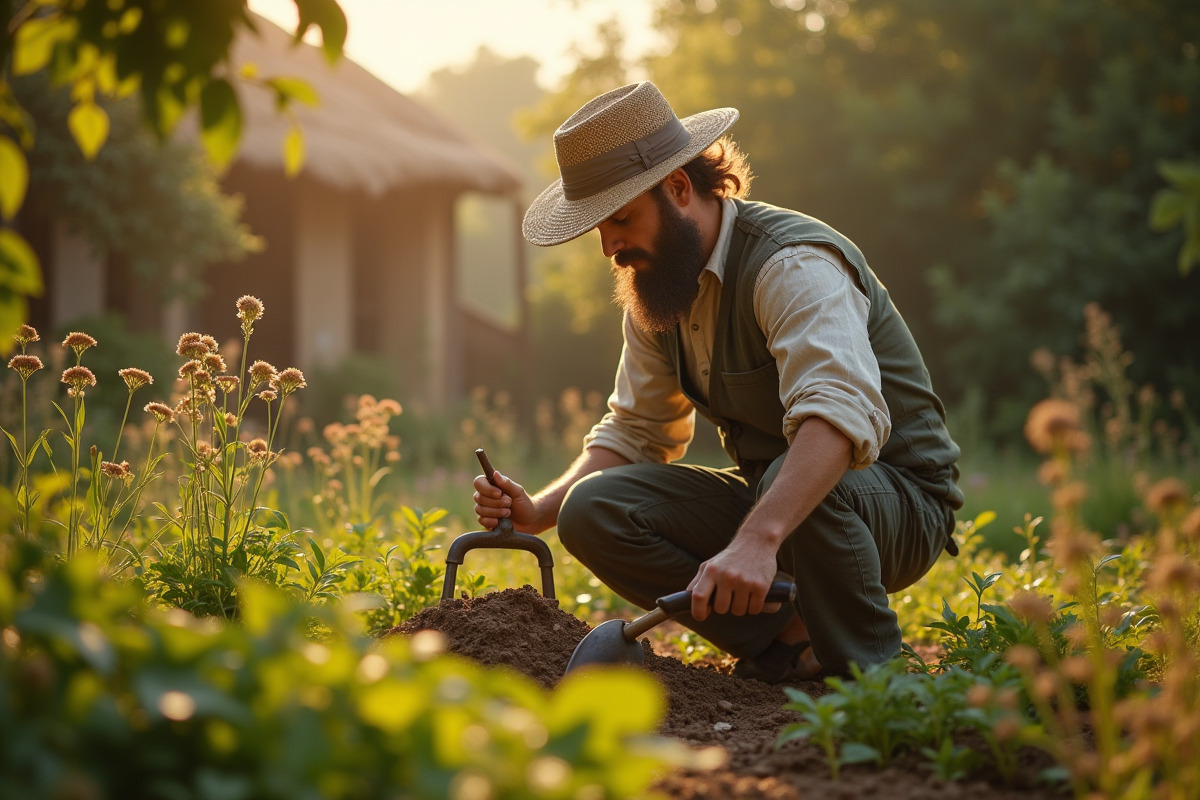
(678, 187)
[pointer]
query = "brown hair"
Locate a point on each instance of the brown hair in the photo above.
(722, 170)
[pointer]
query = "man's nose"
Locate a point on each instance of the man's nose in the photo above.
(610, 241)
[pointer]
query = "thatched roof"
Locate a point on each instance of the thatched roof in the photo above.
(364, 135)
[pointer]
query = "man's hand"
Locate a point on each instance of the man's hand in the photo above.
(506, 499)
(735, 581)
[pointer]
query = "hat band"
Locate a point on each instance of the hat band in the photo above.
(621, 163)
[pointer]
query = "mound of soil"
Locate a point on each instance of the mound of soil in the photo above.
(521, 629)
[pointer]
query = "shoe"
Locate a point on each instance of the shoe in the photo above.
(780, 663)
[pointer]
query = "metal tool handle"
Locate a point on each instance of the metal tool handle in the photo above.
(675, 604)
(504, 536)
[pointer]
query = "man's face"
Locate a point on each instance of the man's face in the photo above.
(658, 255)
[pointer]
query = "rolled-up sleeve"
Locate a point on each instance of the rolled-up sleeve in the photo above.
(648, 418)
(815, 319)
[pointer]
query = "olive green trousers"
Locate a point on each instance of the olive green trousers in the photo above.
(644, 529)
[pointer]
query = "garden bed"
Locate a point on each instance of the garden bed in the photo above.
(520, 629)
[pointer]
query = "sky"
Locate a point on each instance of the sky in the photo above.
(403, 41)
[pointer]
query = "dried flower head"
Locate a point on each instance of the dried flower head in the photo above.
(1167, 496)
(160, 411)
(228, 383)
(135, 378)
(78, 342)
(120, 472)
(192, 346)
(1049, 423)
(26, 334)
(188, 369)
(249, 308)
(289, 381)
(214, 363)
(1031, 607)
(230, 420)
(25, 365)
(1052, 472)
(78, 378)
(261, 372)
(210, 343)
(268, 395)
(1069, 495)
(258, 450)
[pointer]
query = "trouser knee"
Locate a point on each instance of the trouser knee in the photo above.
(579, 527)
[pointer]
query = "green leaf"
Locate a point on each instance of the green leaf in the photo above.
(1183, 174)
(858, 753)
(220, 121)
(329, 17)
(14, 177)
(289, 89)
(19, 269)
(89, 127)
(35, 40)
(293, 151)
(1167, 208)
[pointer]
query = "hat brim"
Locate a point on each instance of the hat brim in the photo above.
(553, 219)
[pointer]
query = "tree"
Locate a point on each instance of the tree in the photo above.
(995, 161)
(172, 54)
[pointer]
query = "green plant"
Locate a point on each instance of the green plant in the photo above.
(102, 694)
(822, 722)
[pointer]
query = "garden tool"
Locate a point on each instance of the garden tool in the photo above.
(503, 536)
(615, 641)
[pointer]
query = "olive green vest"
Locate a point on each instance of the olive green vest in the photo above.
(743, 397)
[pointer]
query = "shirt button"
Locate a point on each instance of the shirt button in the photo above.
(695, 326)
(704, 372)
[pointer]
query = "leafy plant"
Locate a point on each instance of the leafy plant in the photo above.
(104, 695)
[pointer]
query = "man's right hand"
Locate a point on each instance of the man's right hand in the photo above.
(506, 499)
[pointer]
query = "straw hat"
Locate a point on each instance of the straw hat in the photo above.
(610, 151)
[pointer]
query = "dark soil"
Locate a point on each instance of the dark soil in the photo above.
(520, 629)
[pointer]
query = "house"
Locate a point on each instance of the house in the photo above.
(360, 252)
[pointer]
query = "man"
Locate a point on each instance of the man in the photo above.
(770, 324)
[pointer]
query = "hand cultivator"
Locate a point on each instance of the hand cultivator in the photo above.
(503, 537)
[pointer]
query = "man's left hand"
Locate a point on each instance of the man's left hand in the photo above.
(735, 581)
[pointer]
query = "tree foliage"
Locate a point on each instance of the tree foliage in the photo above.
(173, 54)
(995, 161)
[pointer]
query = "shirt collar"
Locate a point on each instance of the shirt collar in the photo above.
(716, 262)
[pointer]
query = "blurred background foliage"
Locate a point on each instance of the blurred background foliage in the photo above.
(996, 162)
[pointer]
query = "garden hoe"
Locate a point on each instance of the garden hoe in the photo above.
(615, 641)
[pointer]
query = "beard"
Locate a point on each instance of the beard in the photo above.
(661, 294)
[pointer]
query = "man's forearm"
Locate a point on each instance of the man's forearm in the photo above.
(817, 459)
(549, 500)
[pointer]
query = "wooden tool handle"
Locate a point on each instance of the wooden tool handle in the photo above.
(488, 469)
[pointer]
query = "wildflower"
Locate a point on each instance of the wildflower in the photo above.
(1166, 496)
(979, 695)
(192, 346)
(230, 420)
(25, 365)
(289, 381)
(160, 411)
(1069, 495)
(209, 342)
(78, 378)
(249, 309)
(78, 342)
(189, 369)
(214, 363)
(228, 383)
(135, 378)
(26, 334)
(1031, 607)
(257, 450)
(261, 372)
(1049, 422)
(390, 407)
(1052, 472)
(120, 472)
(267, 395)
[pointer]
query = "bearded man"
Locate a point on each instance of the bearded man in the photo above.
(770, 324)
